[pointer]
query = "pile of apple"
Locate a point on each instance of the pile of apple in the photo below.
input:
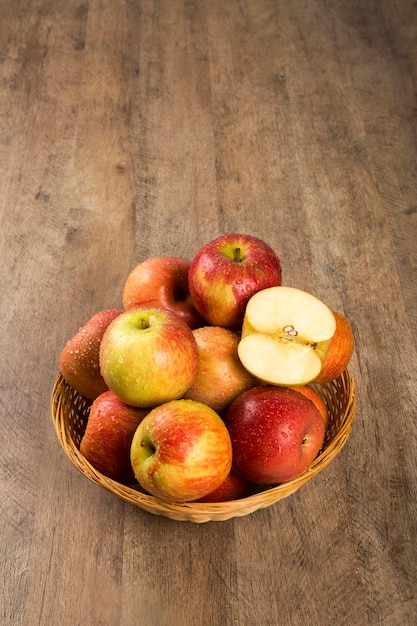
(200, 383)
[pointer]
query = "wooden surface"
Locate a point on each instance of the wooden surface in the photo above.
(137, 128)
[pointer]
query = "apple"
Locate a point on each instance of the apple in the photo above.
(108, 436)
(315, 397)
(181, 451)
(163, 282)
(276, 432)
(148, 356)
(233, 488)
(226, 272)
(79, 359)
(340, 351)
(286, 334)
(220, 375)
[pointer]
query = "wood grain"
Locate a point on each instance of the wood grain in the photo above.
(143, 127)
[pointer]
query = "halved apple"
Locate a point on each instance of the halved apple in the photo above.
(286, 334)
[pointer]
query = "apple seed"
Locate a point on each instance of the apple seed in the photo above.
(238, 255)
(290, 330)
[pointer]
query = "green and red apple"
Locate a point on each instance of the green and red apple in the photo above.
(226, 272)
(181, 451)
(79, 359)
(108, 436)
(220, 375)
(286, 334)
(276, 433)
(162, 282)
(148, 356)
(340, 351)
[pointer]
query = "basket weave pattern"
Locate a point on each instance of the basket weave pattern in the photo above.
(70, 413)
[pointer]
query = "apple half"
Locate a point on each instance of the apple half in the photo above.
(286, 334)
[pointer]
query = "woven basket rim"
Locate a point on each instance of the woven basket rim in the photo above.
(198, 511)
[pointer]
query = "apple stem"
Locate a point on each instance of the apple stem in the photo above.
(180, 295)
(238, 255)
(143, 324)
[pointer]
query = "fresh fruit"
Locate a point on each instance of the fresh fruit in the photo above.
(162, 282)
(79, 359)
(286, 334)
(340, 351)
(108, 436)
(148, 356)
(220, 375)
(181, 451)
(233, 488)
(315, 397)
(226, 272)
(276, 433)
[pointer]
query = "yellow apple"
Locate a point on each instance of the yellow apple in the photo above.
(220, 376)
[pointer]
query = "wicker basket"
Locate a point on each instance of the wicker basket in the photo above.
(70, 414)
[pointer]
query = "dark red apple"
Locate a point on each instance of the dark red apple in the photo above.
(108, 436)
(276, 432)
(79, 360)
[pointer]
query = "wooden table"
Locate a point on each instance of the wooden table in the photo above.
(140, 128)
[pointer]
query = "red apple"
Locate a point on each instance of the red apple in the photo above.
(108, 436)
(233, 488)
(79, 359)
(148, 356)
(220, 375)
(340, 351)
(315, 397)
(162, 282)
(181, 451)
(226, 272)
(276, 432)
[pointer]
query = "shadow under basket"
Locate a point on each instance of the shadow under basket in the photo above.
(70, 413)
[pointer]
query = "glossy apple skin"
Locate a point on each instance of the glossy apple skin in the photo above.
(315, 397)
(233, 488)
(108, 436)
(181, 451)
(162, 282)
(226, 272)
(340, 351)
(148, 356)
(79, 359)
(276, 432)
(220, 375)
